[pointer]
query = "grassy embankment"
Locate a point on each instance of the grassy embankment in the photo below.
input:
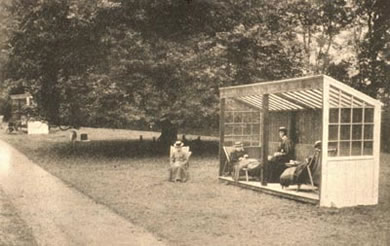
(131, 178)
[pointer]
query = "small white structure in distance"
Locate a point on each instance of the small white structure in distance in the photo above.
(33, 127)
(37, 127)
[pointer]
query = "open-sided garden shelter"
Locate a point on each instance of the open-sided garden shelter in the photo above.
(312, 108)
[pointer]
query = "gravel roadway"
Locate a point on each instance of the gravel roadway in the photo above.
(58, 214)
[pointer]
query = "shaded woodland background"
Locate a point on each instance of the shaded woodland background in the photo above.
(158, 64)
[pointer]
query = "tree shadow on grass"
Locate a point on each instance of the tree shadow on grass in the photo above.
(128, 149)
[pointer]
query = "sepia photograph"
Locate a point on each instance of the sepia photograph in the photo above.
(194, 122)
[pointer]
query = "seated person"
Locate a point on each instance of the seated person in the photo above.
(277, 162)
(178, 170)
(315, 167)
(240, 159)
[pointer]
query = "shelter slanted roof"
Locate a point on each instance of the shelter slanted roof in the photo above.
(298, 94)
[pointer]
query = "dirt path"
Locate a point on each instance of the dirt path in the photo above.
(13, 230)
(58, 214)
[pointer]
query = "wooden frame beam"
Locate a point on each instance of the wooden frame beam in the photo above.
(377, 149)
(304, 83)
(353, 91)
(298, 103)
(221, 134)
(324, 147)
(279, 102)
(308, 99)
(246, 103)
(264, 139)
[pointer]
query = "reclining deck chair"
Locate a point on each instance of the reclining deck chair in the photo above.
(305, 172)
(228, 166)
(312, 169)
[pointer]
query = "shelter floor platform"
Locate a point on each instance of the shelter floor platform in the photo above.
(305, 194)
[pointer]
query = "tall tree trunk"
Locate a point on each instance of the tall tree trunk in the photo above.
(49, 98)
(168, 134)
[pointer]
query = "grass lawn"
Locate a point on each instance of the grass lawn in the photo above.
(116, 170)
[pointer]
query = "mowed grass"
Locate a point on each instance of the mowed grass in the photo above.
(130, 177)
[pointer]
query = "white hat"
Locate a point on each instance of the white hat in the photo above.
(178, 144)
(283, 129)
(317, 144)
(238, 144)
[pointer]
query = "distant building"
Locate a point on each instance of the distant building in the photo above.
(18, 102)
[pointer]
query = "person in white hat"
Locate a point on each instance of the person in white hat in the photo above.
(238, 152)
(178, 170)
(240, 160)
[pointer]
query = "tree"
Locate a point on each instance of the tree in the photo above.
(372, 49)
(5, 106)
(372, 53)
(170, 57)
(320, 23)
(111, 63)
(52, 45)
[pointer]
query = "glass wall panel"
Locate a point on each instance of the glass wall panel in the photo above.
(367, 149)
(351, 125)
(238, 117)
(255, 129)
(369, 115)
(242, 123)
(246, 143)
(228, 116)
(357, 115)
(228, 130)
(247, 129)
(356, 148)
(333, 132)
(356, 132)
(368, 132)
(247, 117)
(237, 130)
(332, 148)
(333, 115)
(345, 132)
(345, 148)
(345, 115)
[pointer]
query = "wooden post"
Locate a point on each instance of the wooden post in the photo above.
(324, 140)
(264, 140)
(376, 150)
(221, 133)
(291, 127)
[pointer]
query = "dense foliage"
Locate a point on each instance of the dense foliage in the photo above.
(120, 63)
